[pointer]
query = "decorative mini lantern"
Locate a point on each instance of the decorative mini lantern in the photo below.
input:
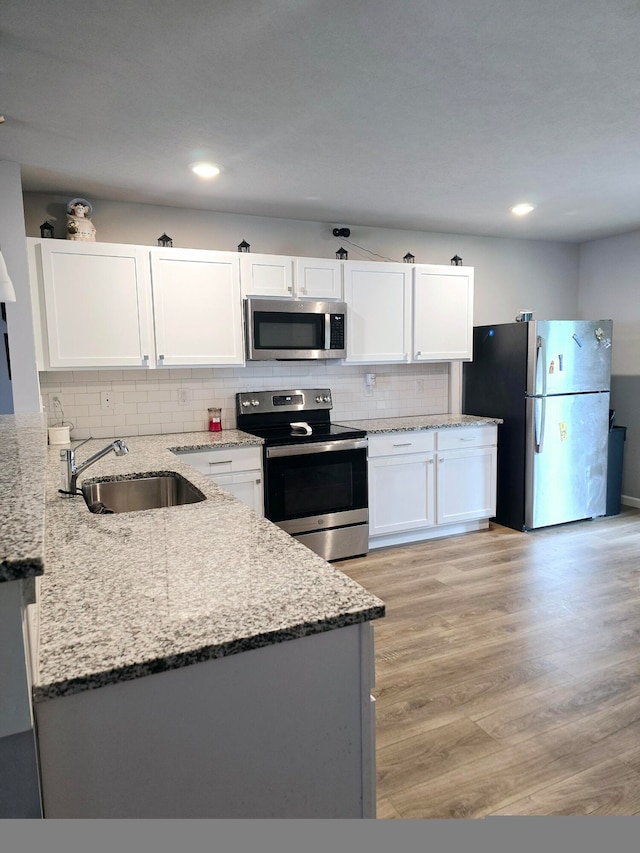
(244, 246)
(342, 254)
(46, 230)
(456, 261)
(409, 258)
(165, 241)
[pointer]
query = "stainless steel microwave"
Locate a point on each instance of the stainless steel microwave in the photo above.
(294, 329)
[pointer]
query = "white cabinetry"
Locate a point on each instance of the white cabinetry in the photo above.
(266, 275)
(93, 306)
(466, 474)
(401, 482)
(236, 469)
(378, 298)
(97, 305)
(442, 313)
(279, 275)
(432, 483)
(317, 278)
(196, 299)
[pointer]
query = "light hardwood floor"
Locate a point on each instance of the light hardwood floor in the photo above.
(508, 672)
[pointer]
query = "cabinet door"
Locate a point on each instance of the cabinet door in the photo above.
(246, 486)
(97, 304)
(466, 484)
(442, 313)
(378, 298)
(266, 275)
(197, 307)
(401, 493)
(318, 278)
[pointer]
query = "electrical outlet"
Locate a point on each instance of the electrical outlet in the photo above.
(419, 386)
(55, 403)
(106, 401)
(185, 395)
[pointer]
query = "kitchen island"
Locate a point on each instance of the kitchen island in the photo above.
(196, 661)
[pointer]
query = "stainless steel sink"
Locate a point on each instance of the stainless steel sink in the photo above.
(140, 492)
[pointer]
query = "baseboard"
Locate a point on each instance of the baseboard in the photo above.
(435, 532)
(629, 501)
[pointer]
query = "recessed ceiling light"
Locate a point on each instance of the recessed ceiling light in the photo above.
(205, 170)
(522, 209)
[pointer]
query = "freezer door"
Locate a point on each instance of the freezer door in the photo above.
(566, 469)
(569, 356)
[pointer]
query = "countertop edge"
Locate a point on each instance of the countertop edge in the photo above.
(131, 672)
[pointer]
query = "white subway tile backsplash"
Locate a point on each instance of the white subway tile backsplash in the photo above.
(146, 403)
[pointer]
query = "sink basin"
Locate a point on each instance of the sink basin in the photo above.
(140, 492)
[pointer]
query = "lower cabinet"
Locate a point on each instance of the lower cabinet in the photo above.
(236, 469)
(429, 484)
(282, 731)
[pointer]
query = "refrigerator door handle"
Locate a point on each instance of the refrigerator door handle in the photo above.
(541, 373)
(540, 409)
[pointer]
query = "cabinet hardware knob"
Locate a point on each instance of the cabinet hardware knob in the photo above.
(160, 358)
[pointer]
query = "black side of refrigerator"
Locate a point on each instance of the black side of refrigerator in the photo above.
(493, 386)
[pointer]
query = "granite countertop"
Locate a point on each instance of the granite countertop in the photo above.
(23, 440)
(130, 594)
(419, 422)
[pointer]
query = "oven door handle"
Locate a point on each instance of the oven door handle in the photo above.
(317, 447)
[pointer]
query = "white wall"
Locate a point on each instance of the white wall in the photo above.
(608, 271)
(26, 394)
(609, 289)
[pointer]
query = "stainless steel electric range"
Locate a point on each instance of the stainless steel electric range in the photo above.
(315, 471)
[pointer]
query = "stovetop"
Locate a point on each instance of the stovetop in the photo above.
(279, 435)
(270, 415)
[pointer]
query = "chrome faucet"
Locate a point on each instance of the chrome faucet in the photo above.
(71, 471)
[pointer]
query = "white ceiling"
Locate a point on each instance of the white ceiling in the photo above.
(429, 115)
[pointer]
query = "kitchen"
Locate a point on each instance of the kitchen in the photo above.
(555, 279)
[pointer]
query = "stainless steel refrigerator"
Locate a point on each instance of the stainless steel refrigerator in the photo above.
(549, 381)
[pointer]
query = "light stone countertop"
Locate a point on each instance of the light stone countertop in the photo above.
(130, 594)
(376, 426)
(23, 449)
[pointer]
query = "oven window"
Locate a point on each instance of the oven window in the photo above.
(316, 484)
(281, 330)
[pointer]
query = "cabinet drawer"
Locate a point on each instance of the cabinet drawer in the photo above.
(397, 443)
(225, 460)
(457, 438)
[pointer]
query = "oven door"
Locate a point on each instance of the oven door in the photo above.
(317, 486)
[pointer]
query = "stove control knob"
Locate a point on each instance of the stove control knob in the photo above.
(318, 399)
(245, 403)
(255, 402)
(327, 399)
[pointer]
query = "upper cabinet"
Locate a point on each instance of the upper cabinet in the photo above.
(317, 278)
(300, 278)
(197, 307)
(97, 304)
(266, 275)
(406, 312)
(113, 305)
(378, 297)
(442, 313)
(109, 305)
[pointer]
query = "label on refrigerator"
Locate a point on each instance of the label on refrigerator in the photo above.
(563, 431)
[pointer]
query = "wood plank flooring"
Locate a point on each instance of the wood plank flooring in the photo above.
(508, 672)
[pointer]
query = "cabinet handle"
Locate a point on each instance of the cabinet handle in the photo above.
(160, 358)
(222, 462)
(145, 358)
(406, 444)
(258, 481)
(290, 289)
